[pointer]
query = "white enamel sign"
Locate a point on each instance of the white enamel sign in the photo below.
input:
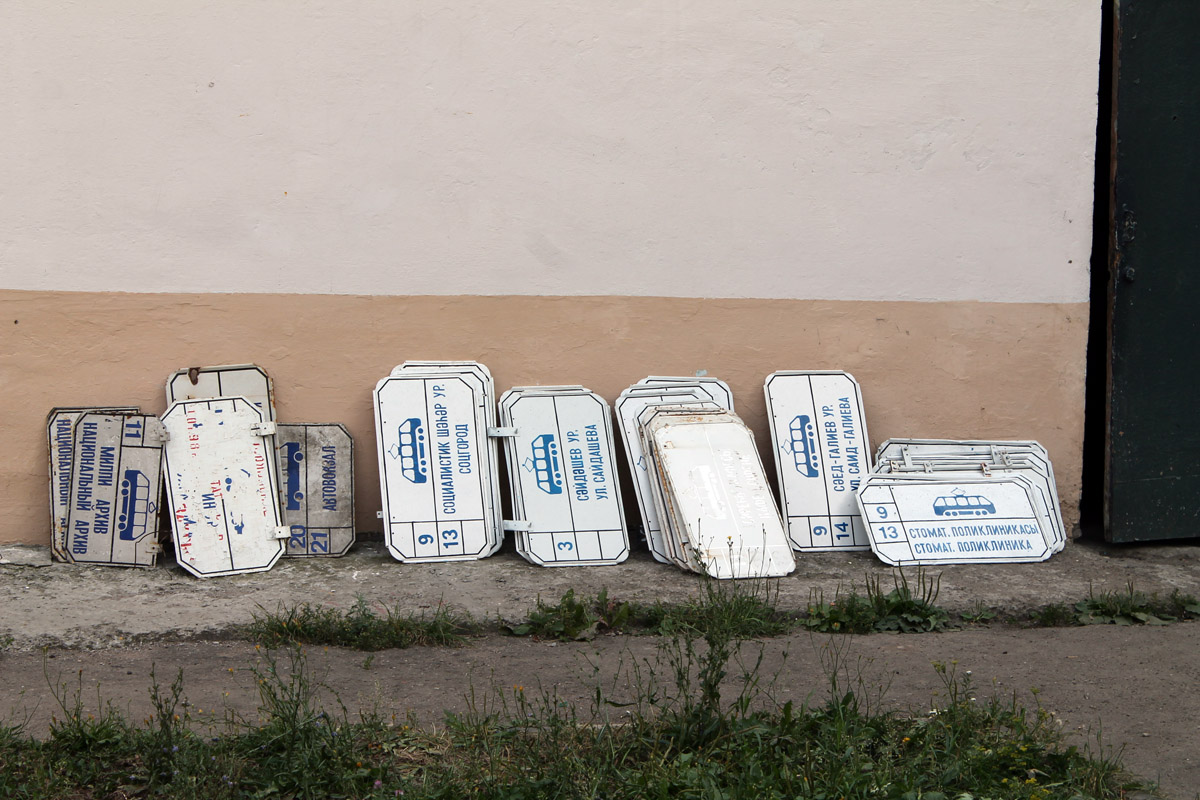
(628, 406)
(59, 436)
(116, 480)
(562, 466)
(316, 488)
(976, 458)
(715, 389)
(819, 438)
(431, 435)
(713, 489)
(920, 521)
(240, 380)
(222, 493)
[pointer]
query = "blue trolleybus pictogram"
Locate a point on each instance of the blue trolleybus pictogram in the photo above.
(293, 456)
(546, 468)
(136, 507)
(803, 446)
(963, 505)
(413, 464)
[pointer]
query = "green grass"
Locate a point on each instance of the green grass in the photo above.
(1132, 607)
(360, 628)
(904, 608)
(697, 722)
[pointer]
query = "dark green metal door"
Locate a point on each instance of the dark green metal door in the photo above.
(1153, 474)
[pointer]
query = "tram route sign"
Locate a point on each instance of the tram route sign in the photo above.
(822, 454)
(116, 480)
(222, 490)
(60, 434)
(923, 520)
(434, 467)
(316, 487)
(562, 467)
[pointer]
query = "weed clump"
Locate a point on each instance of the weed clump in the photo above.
(359, 628)
(902, 609)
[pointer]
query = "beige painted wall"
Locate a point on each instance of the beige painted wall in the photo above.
(859, 149)
(970, 370)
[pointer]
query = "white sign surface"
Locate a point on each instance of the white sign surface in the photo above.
(60, 438)
(819, 438)
(240, 380)
(116, 480)
(431, 433)
(933, 521)
(221, 487)
(316, 476)
(563, 470)
(713, 486)
(628, 406)
(715, 389)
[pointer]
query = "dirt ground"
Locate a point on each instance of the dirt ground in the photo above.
(102, 630)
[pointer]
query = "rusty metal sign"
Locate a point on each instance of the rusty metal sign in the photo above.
(231, 380)
(713, 494)
(116, 479)
(822, 455)
(316, 487)
(435, 469)
(222, 492)
(562, 470)
(921, 520)
(60, 439)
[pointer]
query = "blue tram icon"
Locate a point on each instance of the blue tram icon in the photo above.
(963, 505)
(293, 456)
(413, 464)
(135, 506)
(803, 446)
(546, 467)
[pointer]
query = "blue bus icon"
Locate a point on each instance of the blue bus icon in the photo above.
(963, 505)
(803, 446)
(293, 456)
(546, 468)
(413, 464)
(135, 506)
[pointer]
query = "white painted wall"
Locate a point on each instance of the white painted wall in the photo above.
(861, 149)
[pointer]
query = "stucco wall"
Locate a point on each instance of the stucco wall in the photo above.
(569, 192)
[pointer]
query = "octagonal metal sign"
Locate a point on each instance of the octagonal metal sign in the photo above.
(222, 492)
(916, 520)
(231, 380)
(562, 466)
(819, 438)
(60, 433)
(434, 468)
(316, 497)
(116, 473)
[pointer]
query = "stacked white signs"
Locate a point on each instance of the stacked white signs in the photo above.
(822, 455)
(60, 436)
(652, 391)
(316, 489)
(711, 495)
(116, 476)
(562, 472)
(437, 464)
(221, 485)
(946, 502)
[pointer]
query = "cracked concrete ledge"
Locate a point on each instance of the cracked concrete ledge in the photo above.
(54, 604)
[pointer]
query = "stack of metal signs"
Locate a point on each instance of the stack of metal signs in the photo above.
(934, 501)
(437, 463)
(710, 492)
(822, 455)
(562, 474)
(105, 482)
(655, 391)
(222, 488)
(315, 479)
